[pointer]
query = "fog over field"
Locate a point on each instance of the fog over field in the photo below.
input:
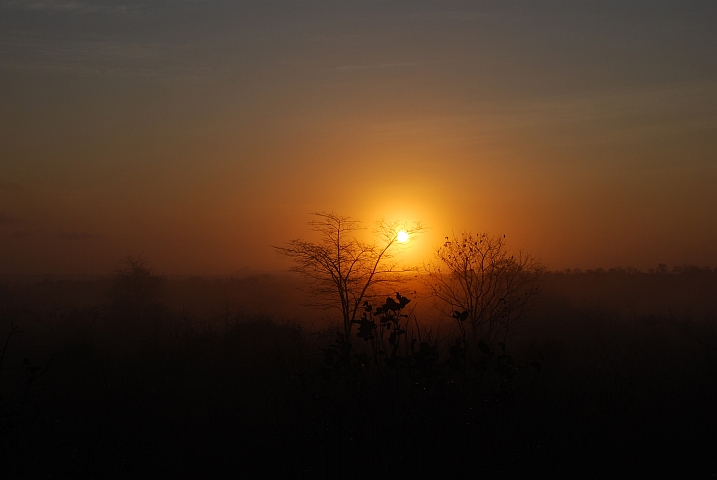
(319, 239)
(608, 371)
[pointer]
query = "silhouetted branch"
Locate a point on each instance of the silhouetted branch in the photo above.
(342, 270)
(479, 282)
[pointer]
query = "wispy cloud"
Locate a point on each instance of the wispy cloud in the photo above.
(600, 117)
(92, 58)
(459, 15)
(624, 114)
(62, 6)
(376, 66)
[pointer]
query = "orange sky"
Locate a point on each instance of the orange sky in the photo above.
(202, 133)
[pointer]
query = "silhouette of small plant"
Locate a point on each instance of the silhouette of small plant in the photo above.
(457, 354)
(426, 360)
(336, 358)
(15, 419)
(383, 328)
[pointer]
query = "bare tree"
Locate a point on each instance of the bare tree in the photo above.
(342, 271)
(481, 285)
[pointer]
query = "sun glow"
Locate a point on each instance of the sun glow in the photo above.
(402, 236)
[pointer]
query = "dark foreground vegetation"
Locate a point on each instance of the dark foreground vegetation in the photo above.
(614, 375)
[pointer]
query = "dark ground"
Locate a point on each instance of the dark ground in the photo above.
(614, 375)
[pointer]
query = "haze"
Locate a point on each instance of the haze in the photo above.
(200, 133)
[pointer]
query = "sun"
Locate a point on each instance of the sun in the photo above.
(402, 236)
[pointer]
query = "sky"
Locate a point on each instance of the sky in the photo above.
(200, 133)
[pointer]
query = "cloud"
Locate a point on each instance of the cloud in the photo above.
(377, 65)
(92, 58)
(461, 16)
(60, 6)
